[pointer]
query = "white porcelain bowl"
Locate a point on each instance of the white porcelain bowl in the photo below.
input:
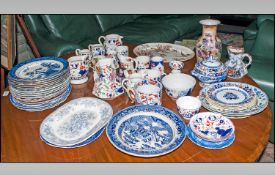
(188, 106)
(178, 84)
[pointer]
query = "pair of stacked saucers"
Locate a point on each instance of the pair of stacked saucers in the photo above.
(76, 123)
(39, 83)
(233, 99)
(211, 130)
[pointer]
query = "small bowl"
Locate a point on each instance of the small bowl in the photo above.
(178, 84)
(188, 106)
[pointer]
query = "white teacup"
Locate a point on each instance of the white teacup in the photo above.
(143, 62)
(157, 64)
(96, 49)
(153, 76)
(79, 52)
(79, 68)
(111, 40)
(130, 82)
(188, 106)
(122, 50)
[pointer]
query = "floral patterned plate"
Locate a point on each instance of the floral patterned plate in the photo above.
(211, 126)
(168, 51)
(146, 131)
(75, 121)
(261, 104)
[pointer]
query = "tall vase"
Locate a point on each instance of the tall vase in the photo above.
(209, 44)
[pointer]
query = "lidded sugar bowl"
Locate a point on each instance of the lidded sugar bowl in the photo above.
(209, 71)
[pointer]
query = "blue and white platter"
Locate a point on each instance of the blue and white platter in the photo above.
(75, 121)
(244, 109)
(146, 131)
(208, 144)
(86, 142)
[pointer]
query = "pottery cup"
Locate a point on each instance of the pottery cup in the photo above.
(157, 64)
(96, 49)
(79, 68)
(79, 52)
(188, 106)
(153, 76)
(143, 62)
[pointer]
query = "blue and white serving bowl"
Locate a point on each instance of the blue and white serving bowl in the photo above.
(146, 131)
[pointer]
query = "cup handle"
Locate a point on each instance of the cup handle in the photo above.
(99, 39)
(77, 52)
(90, 47)
(131, 94)
(135, 64)
(124, 83)
(249, 58)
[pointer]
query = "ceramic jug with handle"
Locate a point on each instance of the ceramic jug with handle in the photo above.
(237, 68)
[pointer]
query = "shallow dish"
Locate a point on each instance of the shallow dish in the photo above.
(167, 51)
(76, 121)
(212, 126)
(146, 131)
(208, 144)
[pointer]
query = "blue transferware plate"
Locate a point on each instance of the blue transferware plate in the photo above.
(212, 126)
(86, 142)
(41, 106)
(261, 104)
(39, 68)
(75, 121)
(208, 144)
(146, 131)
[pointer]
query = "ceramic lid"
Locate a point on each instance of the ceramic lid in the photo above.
(210, 66)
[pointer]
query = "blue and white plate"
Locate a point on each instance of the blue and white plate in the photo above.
(75, 121)
(39, 68)
(261, 102)
(146, 131)
(208, 144)
(86, 142)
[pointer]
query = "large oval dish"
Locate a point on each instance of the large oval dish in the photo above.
(168, 51)
(75, 121)
(146, 131)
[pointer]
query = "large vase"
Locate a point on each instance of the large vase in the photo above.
(209, 44)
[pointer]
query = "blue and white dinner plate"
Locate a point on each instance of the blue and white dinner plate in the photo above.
(86, 142)
(261, 102)
(146, 131)
(41, 106)
(208, 144)
(39, 68)
(75, 121)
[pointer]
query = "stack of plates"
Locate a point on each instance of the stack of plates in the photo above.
(233, 99)
(76, 123)
(211, 130)
(39, 83)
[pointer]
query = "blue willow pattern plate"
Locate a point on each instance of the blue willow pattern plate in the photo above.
(208, 144)
(75, 121)
(146, 131)
(262, 102)
(86, 142)
(39, 68)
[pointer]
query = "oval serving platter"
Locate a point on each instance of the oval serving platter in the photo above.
(75, 121)
(146, 131)
(168, 51)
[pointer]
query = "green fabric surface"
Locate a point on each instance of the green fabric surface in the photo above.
(138, 33)
(262, 72)
(264, 43)
(72, 27)
(107, 22)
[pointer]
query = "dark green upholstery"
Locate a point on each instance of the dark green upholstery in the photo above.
(58, 34)
(259, 42)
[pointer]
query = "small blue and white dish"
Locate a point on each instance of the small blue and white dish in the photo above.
(146, 131)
